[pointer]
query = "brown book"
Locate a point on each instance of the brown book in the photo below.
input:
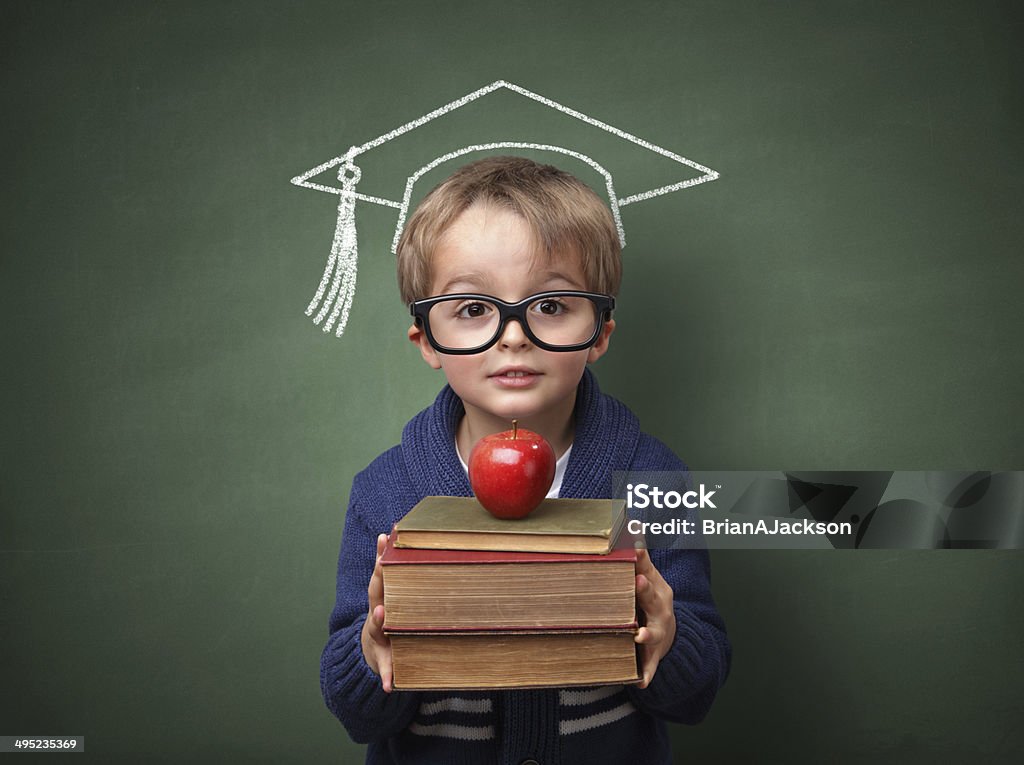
(444, 590)
(496, 660)
(585, 526)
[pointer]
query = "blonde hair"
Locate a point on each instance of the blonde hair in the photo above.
(564, 214)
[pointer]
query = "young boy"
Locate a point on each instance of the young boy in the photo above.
(503, 231)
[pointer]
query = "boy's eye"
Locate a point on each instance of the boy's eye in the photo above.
(473, 310)
(550, 307)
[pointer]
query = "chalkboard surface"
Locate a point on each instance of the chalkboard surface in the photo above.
(179, 438)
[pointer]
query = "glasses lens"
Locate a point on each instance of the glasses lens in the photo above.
(463, 323)
(562, 319)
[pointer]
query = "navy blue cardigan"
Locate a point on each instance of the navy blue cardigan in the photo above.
(591, 725)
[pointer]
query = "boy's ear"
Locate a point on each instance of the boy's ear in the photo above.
(419, 338)
(598, 349)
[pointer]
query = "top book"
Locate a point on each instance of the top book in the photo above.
(588, 526)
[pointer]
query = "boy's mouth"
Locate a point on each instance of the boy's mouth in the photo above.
(515, 376)
(515, 372)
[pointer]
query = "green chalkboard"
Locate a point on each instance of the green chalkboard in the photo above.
(179, 438)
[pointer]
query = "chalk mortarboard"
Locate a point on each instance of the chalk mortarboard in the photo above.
(489, 131)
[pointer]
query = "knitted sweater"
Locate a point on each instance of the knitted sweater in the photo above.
(612, 724)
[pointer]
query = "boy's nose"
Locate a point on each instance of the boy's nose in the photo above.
(512, 336)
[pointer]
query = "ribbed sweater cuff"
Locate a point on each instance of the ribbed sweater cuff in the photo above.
(353, 691)
(678, 670)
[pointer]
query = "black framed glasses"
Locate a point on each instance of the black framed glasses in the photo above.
(465, 323)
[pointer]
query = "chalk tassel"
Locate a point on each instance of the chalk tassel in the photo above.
(340, 271)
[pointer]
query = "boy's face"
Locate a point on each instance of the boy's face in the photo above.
(489, 250)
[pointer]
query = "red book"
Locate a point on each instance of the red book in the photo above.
(441, 591)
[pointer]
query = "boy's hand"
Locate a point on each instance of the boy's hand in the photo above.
(654, 596)
(376, 646)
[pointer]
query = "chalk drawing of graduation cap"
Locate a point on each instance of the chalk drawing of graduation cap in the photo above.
(332, 301)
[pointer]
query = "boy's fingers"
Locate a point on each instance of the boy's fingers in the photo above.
(386, 671)
(643, 636)
(643, 560)
(648, 659)
(647, 595)
(384, 663)
(651, 593)
(648, 639)
(375, 625)
(645, 568)
(376, 587)
(650, 667)
(375, 590)
(648, 636)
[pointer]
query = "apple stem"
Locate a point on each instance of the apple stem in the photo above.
(515, 428)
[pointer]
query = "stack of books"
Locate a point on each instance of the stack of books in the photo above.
(475, 602)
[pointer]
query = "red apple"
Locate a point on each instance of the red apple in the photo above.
(511, 472)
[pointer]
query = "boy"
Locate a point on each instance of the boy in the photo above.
(506, 230)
